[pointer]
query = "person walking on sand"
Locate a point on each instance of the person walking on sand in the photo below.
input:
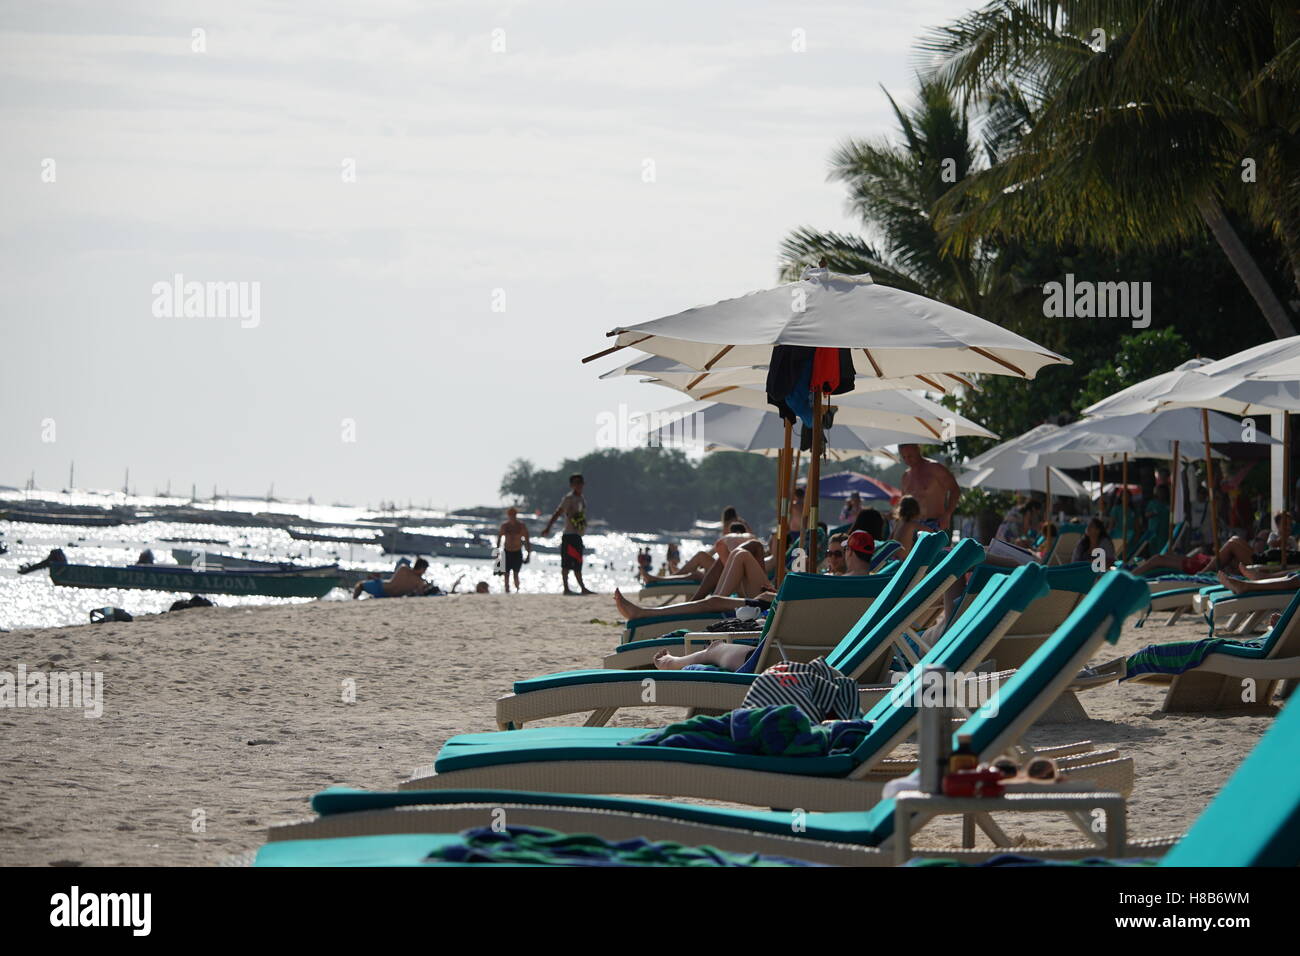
(515, 534)
(574, 508)
(933, 487)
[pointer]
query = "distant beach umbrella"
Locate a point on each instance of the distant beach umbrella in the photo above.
(845, 484)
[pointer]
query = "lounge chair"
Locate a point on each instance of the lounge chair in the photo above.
(1063, 544)
(650, 628)
(589, 759)
(841, 601)
(1228, 613)
(1255, 819)
(360, 828)
(1219, 682)
(864, 652)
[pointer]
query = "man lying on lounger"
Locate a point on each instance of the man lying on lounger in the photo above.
(405, 580)
(1235, 554)
(730, 657)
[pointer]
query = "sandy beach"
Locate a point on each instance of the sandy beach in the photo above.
(221, 722)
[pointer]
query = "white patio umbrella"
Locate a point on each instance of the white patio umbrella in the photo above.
(1010, 468)
(1006, 477)
(1143, 396)
(898, 410)
(706, 385)
(714, 425)
(1139, 435)
(1264, 378)
(898, 334)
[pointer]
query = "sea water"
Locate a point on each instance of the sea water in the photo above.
(33, 601)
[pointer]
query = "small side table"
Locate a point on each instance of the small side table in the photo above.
(913, 809)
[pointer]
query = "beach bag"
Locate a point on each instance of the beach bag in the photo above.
(101, 614)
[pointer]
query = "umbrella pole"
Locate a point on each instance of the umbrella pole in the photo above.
(1173, 497)
(1047, 480)
(1101, 486)
(814, 479)
(1209, 480)
(1123, 534)
(783, 492)
(1285, 530)
(794, 484)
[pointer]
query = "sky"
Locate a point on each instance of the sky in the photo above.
(430, 212)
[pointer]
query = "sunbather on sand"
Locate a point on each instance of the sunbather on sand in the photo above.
(405, 580)
(731, 656)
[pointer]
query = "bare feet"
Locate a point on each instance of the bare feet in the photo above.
(628, 609)
(666, 662)
(1235, 585)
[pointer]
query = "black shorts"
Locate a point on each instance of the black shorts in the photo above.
(514, 560)
(571, 552)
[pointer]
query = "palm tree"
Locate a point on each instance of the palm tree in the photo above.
(894, 187)
(1143, 121)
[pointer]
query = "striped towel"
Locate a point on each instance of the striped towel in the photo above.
(816, 688)
(1180, 656)
(759, 731)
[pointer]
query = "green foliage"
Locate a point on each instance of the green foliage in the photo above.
(1140, 356)
(651, 489)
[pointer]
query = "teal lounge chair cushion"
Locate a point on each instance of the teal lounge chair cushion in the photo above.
(1255, 819)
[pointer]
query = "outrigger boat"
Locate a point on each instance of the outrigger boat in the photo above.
(212, 561)
(305, 583)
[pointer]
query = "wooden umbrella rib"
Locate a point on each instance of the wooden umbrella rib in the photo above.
(614, 348)
(927, 426)
(933, 384)
(708, 366)
(958, 378)
(871, 358)
(719, 391)
(993, 358)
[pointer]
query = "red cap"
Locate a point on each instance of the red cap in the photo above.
(862, 543)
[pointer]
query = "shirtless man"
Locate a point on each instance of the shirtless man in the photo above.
(515, 533)
(933, 487)
(574, 508)
(405, 580)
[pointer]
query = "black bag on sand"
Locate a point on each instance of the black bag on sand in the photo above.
(101, 614)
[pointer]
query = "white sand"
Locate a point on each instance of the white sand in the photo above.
(239, 714)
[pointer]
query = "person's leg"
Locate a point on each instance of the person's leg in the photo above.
(356, 591)
(1170, 562)
(708, 583)
(744, 575)
(1234, 553)
(1259, 585)
(564, 574)
(713, 604)
(727, 656)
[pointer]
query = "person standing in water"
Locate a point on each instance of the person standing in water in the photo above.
(574, 508)
(515, 534)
